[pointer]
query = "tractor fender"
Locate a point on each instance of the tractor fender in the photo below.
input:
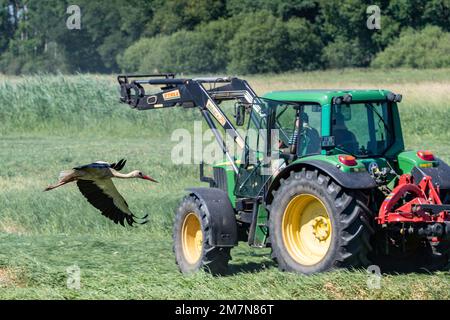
(352, 180)
(221, 215)
(440, 175)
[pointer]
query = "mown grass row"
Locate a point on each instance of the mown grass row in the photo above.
(136, 267)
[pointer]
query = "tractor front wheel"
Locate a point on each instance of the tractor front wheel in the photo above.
(191, 235)
(316, 225)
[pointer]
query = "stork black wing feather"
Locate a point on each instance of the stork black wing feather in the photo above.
(122, 164)
(119, 165)
(95, 195)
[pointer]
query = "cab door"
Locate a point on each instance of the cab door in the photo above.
(261, 156)
(251, 177)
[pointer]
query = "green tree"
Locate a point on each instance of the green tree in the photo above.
(245, 36)
(308, 9)
(344, 27)
(107, 29)
(200, 50)
(42, 41)
(437, 12)
(173, 15)
(6, 24)
(305, 45)
(238, 7)
(260, 45)
(31, 47)
(343, 53)
(284, 9)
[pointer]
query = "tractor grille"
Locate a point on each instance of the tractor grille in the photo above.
(220, 177)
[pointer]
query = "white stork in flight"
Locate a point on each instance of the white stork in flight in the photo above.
(94, 182)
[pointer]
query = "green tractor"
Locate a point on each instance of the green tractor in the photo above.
(323, 180)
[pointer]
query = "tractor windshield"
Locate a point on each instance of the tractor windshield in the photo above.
(362, 129)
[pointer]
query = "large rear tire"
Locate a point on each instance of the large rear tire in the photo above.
(315, 225)
(191, 238)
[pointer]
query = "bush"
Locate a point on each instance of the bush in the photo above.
(428, 48)
(131, 59)
(22, 59)
(344, 53)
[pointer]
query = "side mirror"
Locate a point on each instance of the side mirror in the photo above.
(239, 114)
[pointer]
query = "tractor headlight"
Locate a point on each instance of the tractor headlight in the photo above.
(337, 100)
(394, 97)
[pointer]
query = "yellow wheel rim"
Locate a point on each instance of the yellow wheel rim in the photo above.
(192, 238)
(306, 229)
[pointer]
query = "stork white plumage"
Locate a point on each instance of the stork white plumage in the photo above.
(95, 183)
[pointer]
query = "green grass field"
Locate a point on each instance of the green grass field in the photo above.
(51, 123)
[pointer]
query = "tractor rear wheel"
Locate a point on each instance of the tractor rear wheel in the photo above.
(316, 225)
(191, 235)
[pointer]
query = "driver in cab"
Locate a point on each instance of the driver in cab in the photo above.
(309, 141)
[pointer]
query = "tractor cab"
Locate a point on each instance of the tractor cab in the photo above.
(349, 129)
(361, 123)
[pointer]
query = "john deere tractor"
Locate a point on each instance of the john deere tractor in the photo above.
(325, 182)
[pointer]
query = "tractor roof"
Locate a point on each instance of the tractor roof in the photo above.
(324, 96)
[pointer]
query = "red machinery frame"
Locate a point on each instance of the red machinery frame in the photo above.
(425, 206)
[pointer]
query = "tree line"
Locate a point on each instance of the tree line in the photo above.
(210, 36)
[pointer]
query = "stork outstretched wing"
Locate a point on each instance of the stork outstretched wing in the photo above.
(103, 195)
(103, 165)
(94, 165)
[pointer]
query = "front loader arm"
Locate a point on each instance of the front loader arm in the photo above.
(133, 92)
(190, 93)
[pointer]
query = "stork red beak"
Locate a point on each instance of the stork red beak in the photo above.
(149, 178)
